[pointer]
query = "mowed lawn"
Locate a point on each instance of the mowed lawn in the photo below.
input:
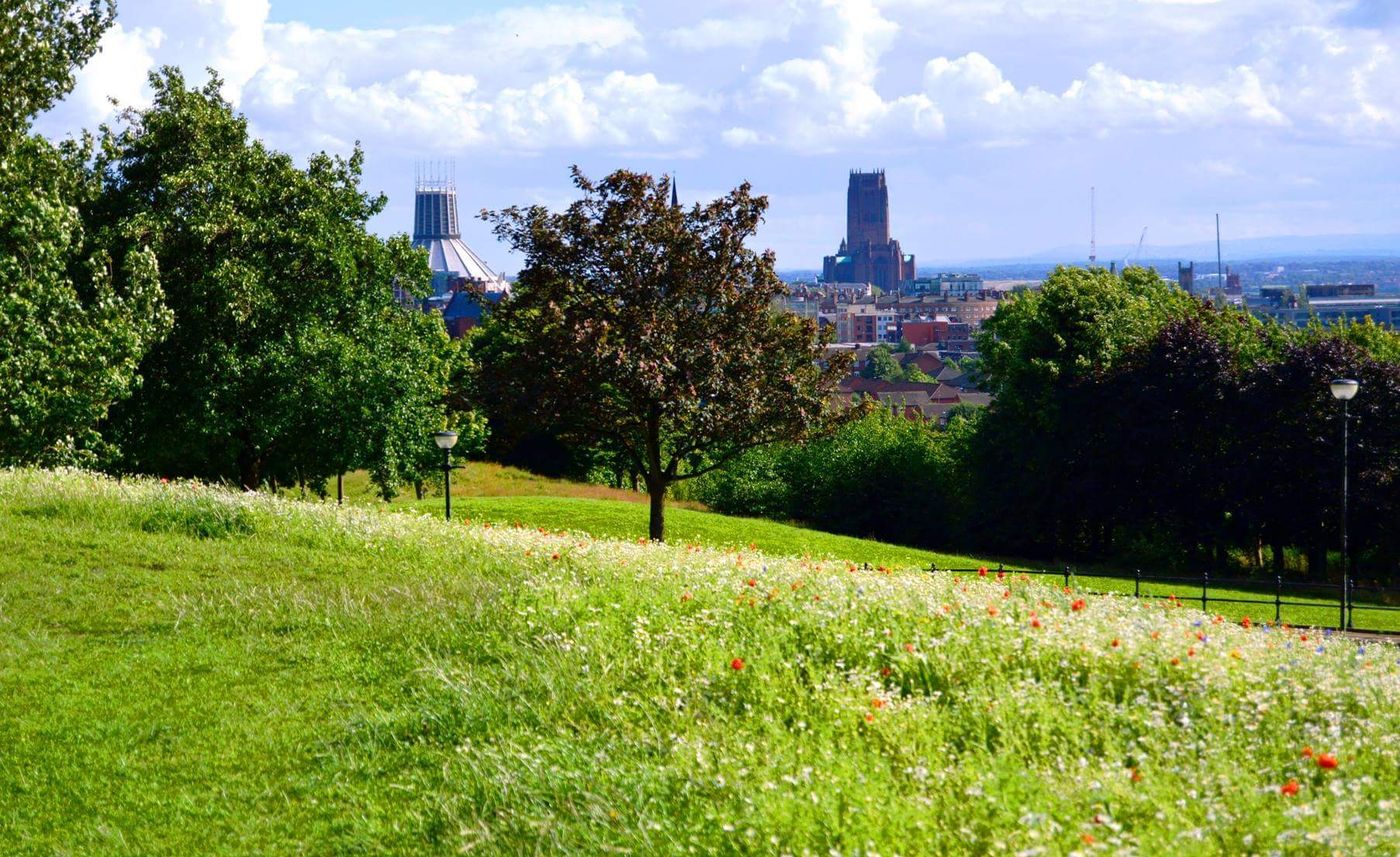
(189, 671)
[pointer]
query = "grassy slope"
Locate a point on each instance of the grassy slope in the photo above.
(297, 680)
(490, 492)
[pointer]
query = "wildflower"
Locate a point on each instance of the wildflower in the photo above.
(1156, 635)
(1087, 839)
(991, 611)
(982, 572)
(1326, 760)
(164, 481)
(1035, 623)
(751, 582)
(736, 664)
(1001, 575)
(1245, 623)
(1289, 789)
(686, 596)
(1235, 653)
(1114, 644)
(869, 717)
(1307, 752)
(909, 647)
(1176, 662)
(554, 555)
(885, 672)
(877, 702)
(1136, 776)
(1077, 605)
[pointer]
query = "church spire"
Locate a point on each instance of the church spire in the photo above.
(675, 203)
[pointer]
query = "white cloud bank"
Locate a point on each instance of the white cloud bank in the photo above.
(540, 77)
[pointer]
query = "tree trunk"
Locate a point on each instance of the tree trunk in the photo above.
(249, 470)
(657, 526)
(1276, 548)
(655, 477)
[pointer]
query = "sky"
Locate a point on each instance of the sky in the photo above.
(991, 118)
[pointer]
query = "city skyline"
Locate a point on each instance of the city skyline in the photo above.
(992, 118)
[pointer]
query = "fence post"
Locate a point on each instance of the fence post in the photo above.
(1137, 583)
(1350, 602)
(1205, 588)
(1066, 577)
(1278, 598)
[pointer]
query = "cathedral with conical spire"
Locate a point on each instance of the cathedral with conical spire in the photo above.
(436, 229)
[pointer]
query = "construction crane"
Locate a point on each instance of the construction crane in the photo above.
(1093, 228)
(1138, 252)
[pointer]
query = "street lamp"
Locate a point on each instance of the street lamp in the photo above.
(445, 441)
(1345, 389)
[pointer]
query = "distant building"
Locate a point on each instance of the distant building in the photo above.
(868, 254)
(954, 285)
(436, 229)
(1186, 277)
(463, 285)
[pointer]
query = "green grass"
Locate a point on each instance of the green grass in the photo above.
(625, 520)
(187, 671)
(622, 520)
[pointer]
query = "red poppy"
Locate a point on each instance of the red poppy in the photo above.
(1114, 644)
(1326, 760)
(752, 582)
(1245, 622)
(1289, 788)
(686, 596)
(1035, 623)
(982, 572)
(1077, 605)
(991, 611)
(877, 702)
(885, 672)
(1307, 752)
(869, 718)
(908, 647)
(736, 664)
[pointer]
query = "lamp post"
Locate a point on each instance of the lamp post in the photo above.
(1345, 389)
(445, 441)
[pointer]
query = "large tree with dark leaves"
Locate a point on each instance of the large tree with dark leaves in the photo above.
(647, 328)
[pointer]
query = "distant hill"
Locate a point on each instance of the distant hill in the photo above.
(1281, 248)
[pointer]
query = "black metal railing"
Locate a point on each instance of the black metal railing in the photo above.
(1367, 598)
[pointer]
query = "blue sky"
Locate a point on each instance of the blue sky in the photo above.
(992, 118)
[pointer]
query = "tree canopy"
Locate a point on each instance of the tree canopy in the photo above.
(647, 328)
(289, 357)
(76, 312)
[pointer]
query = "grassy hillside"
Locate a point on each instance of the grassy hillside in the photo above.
(187, 671)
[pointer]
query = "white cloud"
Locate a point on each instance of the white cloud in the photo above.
(819, 103)
(734, 32)
(117, 72)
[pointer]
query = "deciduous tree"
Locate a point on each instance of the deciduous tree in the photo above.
(647, 327)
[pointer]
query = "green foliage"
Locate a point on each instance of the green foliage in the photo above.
(77, 311)
(879, 363)
(881, 476)
(646, 329)
(42, 44)
(289, 358)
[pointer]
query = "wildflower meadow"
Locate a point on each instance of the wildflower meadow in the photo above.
(188, 669)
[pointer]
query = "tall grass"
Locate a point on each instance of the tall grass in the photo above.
(341, 681)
